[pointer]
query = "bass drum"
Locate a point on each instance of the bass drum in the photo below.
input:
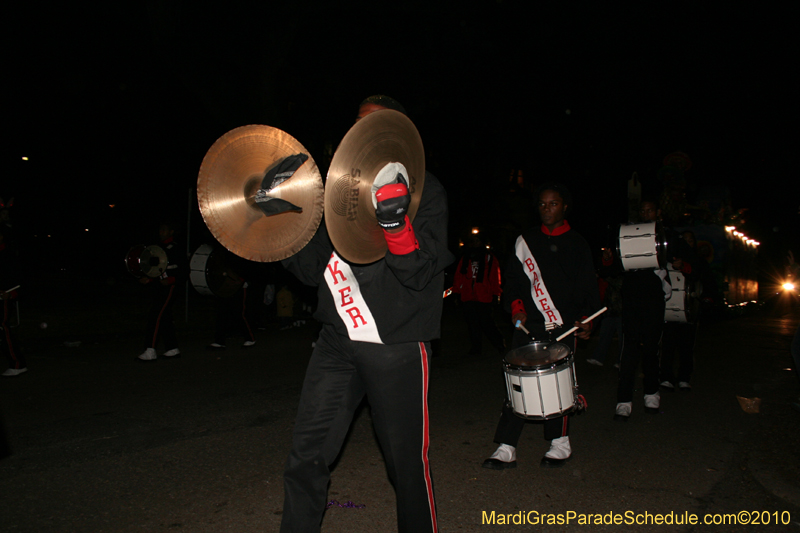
(146, 261)
(642, 246)
(210, 274)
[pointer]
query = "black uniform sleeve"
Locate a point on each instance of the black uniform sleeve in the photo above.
(308, 265)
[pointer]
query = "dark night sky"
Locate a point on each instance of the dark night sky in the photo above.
(118, 104)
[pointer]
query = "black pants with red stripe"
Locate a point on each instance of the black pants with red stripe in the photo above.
(395, 381)
(8, 342)
(160, 324)
(509, 428)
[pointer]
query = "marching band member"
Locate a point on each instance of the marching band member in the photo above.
(644, 295)
(377, 323)
(160, 325)
(550, 279)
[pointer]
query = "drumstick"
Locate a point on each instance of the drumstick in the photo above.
(13, 288)
(586, 321)
(520, 326)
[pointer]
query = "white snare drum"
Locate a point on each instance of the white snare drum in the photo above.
(540, 380)
(210, 275)
(641, 246)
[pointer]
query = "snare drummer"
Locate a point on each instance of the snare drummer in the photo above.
(550, 279)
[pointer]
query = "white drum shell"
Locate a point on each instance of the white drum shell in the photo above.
(541, 393)
(197, 269)
(638, 246)
(676, 309)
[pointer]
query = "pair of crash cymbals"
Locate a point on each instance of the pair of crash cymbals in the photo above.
(234, 168)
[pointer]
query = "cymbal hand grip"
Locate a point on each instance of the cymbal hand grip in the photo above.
(393, 201)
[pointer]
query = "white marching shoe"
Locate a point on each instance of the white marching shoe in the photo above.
(148, 355)
(504, 457)
(559, 453)
(623, 412)
(652, 402)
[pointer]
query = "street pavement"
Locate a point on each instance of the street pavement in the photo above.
(104, 443)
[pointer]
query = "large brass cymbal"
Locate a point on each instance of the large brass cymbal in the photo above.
(230, 175)
(382, 137)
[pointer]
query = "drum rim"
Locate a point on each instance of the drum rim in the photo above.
(548, 368)
(544, 365)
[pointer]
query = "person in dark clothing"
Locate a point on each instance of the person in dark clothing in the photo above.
(9, 292)
(234, 311)
(477, 282)
(550, 279)
(378, 321)
(232, 317)
(679, 337)
(160, 324)
(644, 294)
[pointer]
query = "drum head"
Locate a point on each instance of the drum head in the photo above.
(153, 261)
(537, 354)
(146, 261)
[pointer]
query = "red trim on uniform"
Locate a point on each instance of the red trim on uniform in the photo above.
(561, 230)
(426, 436)
(404, 241)
(564, 425)
(160, 313)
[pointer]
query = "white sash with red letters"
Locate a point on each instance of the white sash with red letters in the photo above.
(538, 289)
(349, 301)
